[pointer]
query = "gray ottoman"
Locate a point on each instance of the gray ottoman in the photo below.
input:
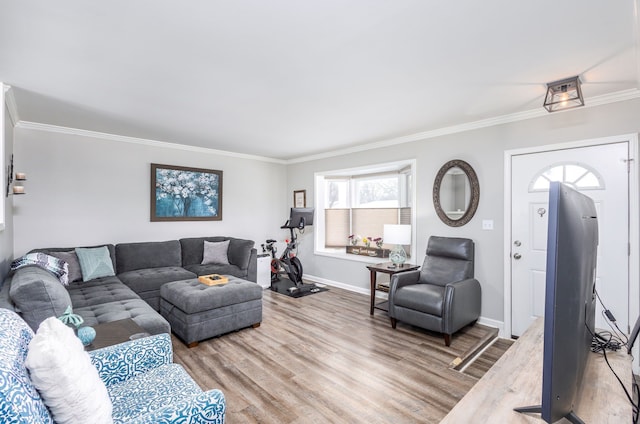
(197, 312)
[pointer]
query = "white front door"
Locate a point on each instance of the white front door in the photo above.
(600, 172)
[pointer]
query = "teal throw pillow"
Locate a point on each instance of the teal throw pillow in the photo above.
(95, 262)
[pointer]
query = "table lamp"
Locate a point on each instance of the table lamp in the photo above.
(399, 235)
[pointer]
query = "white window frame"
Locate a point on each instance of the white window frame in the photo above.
(408, 166)
(3, 170)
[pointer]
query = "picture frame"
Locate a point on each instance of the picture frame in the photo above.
(300, 198)
(180, 193)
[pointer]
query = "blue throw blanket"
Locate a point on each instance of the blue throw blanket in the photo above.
(56, 266)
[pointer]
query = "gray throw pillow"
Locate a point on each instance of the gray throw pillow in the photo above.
(75, 273)
(215, 253)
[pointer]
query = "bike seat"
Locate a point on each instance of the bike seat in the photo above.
(271, 241)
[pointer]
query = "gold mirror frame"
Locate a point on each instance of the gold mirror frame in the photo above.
(473, 201)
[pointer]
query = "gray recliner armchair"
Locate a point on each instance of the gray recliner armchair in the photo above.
(443, 296)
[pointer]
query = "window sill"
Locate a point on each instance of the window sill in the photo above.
(349, 257)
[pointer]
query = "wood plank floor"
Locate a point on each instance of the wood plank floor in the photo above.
(323, 358)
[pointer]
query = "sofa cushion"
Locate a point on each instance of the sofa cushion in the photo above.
(15, 383)
(215, 252)
(151, 391)
(207, 269)
(110, 247)
(101, 290)
(62, 372)
(157, 254)
(38, 295)
(143, 280)
(239, 251)
(70, 257)
(94, 262)
(136, 309)
(56, 266)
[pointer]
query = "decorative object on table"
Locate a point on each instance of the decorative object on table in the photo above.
(400, 235)
(372, 252)
(213, 279)
(300, 198)
(70, 319)
(353, 239)
(367, 242)
(180, 193)
(379, 242)
(563, 94)
(87, 335)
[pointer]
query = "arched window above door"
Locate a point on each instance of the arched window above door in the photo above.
(576, 175)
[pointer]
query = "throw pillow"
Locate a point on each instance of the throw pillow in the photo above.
(65, 377)
(70, 257)
(95, 262)
(215, 253)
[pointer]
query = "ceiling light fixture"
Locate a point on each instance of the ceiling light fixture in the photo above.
(563, 94)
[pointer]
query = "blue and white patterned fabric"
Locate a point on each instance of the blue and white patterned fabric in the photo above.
(20, 402)
(143, 383)
(120, 362)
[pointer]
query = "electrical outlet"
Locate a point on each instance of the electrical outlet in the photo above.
(487, 224)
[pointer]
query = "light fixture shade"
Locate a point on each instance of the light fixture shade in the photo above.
(397, 234)
(563, 94)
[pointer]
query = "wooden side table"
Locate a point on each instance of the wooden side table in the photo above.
(385, 268)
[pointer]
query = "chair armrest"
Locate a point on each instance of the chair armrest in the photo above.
(120, 362)
(462, 300)
(207, 407)
(399, 280)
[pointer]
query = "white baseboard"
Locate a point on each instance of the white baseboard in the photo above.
(482, 320)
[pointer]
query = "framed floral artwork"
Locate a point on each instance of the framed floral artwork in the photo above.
(180, 193)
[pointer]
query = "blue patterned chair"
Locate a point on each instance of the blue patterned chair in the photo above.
(144, 385)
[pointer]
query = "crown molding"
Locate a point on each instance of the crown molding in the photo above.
(483, 123)
(12, 106)
(426, 135)
(143, 141)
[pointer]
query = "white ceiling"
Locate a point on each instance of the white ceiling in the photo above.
(291, 78)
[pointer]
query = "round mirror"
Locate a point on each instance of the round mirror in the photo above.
(456, 193)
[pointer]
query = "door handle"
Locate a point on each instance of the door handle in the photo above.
(517, 256)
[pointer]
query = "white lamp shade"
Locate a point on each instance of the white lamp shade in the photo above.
(397, 234)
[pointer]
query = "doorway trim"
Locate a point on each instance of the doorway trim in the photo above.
(634, 224)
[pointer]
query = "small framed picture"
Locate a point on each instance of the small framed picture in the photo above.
(300, 198)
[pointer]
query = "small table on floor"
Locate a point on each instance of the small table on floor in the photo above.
(114, 332)
(385, 268)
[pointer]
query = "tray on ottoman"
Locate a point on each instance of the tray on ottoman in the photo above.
(197, 311)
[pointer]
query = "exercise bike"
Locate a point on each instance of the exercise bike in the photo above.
(288, 263)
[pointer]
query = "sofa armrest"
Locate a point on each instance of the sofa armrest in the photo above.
(207, 407)
(252, 272)
(120, 362)
(399, 280)
(462, 301)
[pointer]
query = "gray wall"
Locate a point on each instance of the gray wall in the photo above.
(83, 190)
(6, 236)
(484, 150)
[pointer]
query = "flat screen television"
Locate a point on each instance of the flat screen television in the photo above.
(300, 218)
(569, 314)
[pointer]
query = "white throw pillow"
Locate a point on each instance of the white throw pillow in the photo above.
(63, 374)
(215, 252)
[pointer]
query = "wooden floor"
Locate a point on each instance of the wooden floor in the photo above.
(323, 358)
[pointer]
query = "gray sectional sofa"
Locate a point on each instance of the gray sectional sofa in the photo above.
(140, 269)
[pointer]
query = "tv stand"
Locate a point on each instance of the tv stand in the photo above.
(515, 380)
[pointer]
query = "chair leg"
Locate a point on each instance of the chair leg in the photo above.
(393, 322)
(447, 340)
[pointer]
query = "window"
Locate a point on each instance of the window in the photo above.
(576, 175)
(360, 201)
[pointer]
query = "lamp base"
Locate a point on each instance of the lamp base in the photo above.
(398, 256)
